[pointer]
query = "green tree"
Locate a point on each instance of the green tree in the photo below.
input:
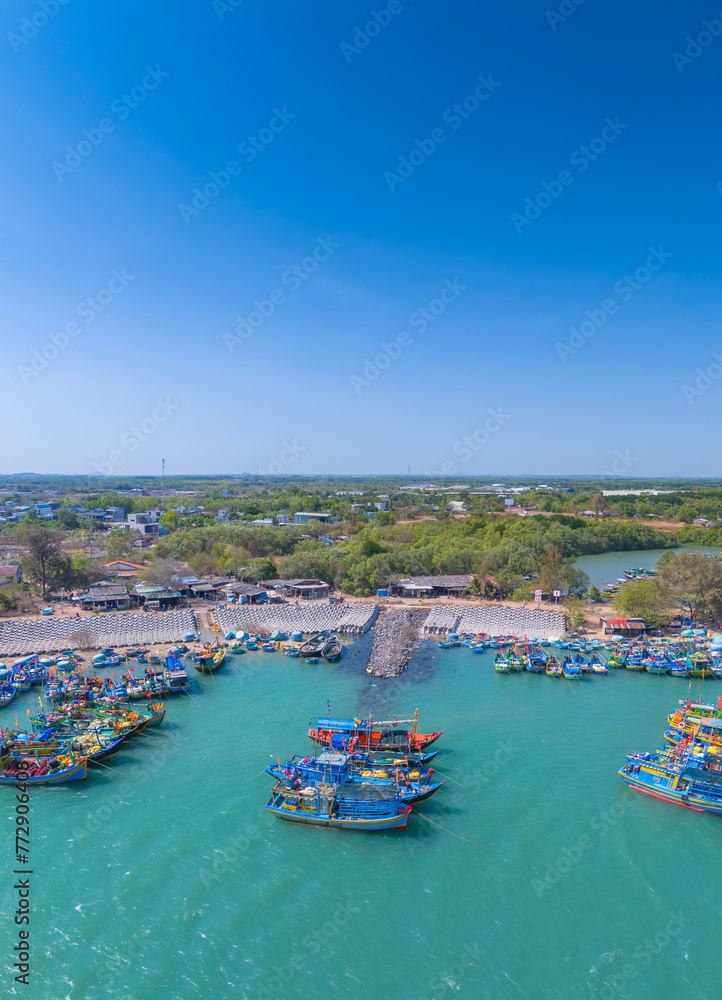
(687, 513)
(646, 599)
(43, 561)
(113, 499)
(84, 571)
(263, 569)
(68, 518)
(594, 594)
(120, 543)
(693, 581)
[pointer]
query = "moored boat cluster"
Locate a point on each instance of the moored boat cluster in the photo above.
(687, 768)
(367, 777)
(692, 655)
(90, 718)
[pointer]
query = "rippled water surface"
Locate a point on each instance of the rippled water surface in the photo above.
(534, 873)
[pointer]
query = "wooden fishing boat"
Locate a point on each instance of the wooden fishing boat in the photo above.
(688, 728)
(344, 807)
(209, 660)
(690, 778)
(571, 670)
(553, 667)
(698, 665)
(501, 664)
(176, 677)
(40, 774)
(332, 651)
(658, 667)
(369, 735)
(7, 693)
(387, 758)
(317, 644)
(337, 769)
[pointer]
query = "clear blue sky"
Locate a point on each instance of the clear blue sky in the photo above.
(95, 182)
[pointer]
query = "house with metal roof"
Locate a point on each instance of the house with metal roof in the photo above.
(432, 586)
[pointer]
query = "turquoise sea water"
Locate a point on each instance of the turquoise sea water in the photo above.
(535, 874)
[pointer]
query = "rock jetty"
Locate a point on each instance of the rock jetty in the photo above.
(396, 633)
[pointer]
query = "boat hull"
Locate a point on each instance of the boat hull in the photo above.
(678, 798)
(74, 773)
(368, 825)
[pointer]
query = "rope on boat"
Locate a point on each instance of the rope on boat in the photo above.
(458, 837)
(447, 778)
(98, 763)
(255, 776)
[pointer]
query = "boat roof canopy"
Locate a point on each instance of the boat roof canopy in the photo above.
(367, 793)
(350, 724)
(334, 759)
(697, 774)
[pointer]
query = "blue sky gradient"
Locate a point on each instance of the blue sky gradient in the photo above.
(344, 366)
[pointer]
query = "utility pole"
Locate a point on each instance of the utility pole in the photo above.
(162, 481)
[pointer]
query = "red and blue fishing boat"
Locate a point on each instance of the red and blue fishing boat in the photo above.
(362, 734)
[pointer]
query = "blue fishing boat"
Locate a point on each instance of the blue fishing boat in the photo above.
(691, 778)
(341, 768)
(596, 666)
(571, 670)
(49, 772)
(345, 807)
(388, 758)
(7, 693)
(176, 678)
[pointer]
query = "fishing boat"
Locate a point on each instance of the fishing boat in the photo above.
(387, 758)
(501, 664)
(341, 769)
(685, 728)
(342, 734)
(46, 772)
(7, 693)
(209, 660)
(691, 778)
(345, 807)
(698, 665)
(317, 644)
(571, 670)
(596, 666)
(653, 665)
(176, 678)
(553, 668)
(333, 650)
(155, 683)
